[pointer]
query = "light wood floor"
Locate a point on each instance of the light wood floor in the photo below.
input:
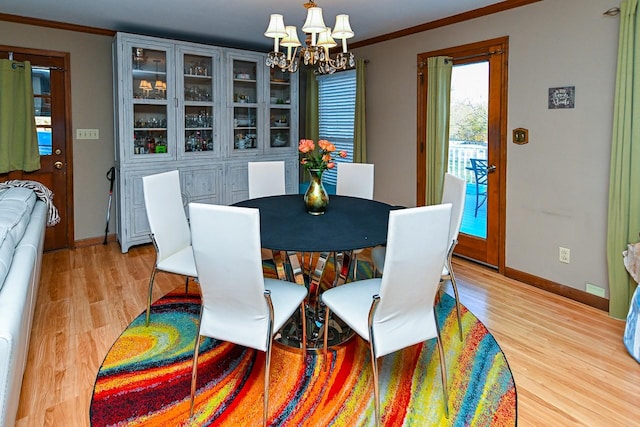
(568, 361)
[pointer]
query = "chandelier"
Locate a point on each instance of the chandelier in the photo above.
(319, 40)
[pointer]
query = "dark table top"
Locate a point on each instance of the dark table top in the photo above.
(349, 223)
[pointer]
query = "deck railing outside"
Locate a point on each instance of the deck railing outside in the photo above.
(459, 154)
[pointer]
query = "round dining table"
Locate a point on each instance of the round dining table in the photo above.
(286, 228)
(349, 223)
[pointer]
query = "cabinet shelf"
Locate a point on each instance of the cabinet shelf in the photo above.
(147, 73)
(197, 77)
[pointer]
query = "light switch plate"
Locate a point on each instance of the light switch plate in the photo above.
(87, 134)
(520, 136)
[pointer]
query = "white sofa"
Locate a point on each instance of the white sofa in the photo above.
(22, 224)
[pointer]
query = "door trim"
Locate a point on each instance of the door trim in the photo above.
(497, 49)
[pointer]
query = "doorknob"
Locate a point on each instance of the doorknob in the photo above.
(491, 168)
(58, 165)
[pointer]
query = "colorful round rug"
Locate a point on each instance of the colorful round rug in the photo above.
(146, 376)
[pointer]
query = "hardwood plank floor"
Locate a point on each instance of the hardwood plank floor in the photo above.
(567, 359)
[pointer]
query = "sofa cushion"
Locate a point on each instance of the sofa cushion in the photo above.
(16, 205)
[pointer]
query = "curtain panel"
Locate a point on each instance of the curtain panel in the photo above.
(624, 182)
(359, 126)
(18, 137)
(439, 70)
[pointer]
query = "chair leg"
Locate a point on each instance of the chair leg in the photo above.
(303, 314)
(267, 370)
(150, 296)
(443, 367)
(376, 390)
(194, 371)
(452, 278)
(443, 375)
(326, 333)
(354, 261)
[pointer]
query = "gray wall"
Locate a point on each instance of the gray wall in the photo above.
(92, 108)
(557, 185)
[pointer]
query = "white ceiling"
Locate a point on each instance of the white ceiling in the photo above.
(236, 23)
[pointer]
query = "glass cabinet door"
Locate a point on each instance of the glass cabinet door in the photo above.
(280, 109)
(198, 113)
(246, 120)
(150, 107)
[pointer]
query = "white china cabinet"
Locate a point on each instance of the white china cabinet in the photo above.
(204, 110)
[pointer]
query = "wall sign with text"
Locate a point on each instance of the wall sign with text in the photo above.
(562, 97)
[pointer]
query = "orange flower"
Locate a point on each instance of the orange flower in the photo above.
(319, 157)
(306, 145)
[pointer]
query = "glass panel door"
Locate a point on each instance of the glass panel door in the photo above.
(468, 136)
(245, 105)
(280, 109)
(149, 84)
(198, 103)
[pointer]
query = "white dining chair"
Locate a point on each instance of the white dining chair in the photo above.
(397, 310)
(454, 192)
(355, 180)
(169, 229)
(266, 179)
(239, 304)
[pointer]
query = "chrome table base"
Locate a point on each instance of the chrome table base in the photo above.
(297, 267)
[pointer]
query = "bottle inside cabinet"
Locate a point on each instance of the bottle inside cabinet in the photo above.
(149, 129)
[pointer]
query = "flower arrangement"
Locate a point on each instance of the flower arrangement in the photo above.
(320, 157)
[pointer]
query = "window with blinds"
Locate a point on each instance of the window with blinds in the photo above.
(337, 102)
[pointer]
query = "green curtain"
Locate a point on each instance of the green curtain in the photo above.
(18, 137)
(311, 124)
(624, 181)
(359, 126)
(438, 96)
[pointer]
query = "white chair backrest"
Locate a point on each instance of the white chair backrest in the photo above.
(226, 246)
(416, 251)
(454, 192)
(165, 212)
(266, 179)
(355, 180)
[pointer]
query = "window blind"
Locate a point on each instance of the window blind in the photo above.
(337, 106)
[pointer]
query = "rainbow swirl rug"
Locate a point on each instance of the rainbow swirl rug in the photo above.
(145, 378)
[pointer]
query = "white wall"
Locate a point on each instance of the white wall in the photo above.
(557, 185)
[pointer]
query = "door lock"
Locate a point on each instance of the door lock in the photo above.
(58, 151)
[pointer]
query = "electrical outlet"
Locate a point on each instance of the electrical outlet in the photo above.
(595, 290)
(564, 255)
